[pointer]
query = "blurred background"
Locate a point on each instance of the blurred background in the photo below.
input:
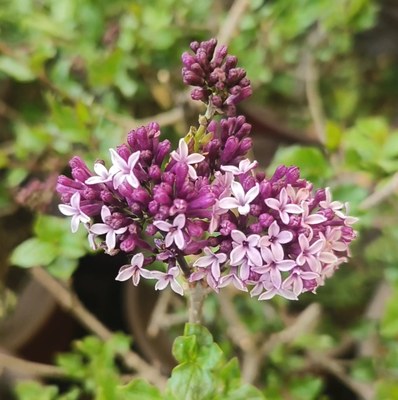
(77, 75)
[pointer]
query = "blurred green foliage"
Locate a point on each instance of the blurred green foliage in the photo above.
(75, 76)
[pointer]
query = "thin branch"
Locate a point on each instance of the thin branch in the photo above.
(304, 323)
(381, 194)
(159, 313)
(30, 368)
(313, 96)
(231, 22)
(69, 301)
(334, 367)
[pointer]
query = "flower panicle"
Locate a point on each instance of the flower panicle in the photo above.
(266, 236)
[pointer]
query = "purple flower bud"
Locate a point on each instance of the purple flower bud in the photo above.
(219, 56)
(155, 172)
(92, 209)
(136, 208)
(230, 62)
(200, 94)
(146, 156)
(292, 175)
(128, 245)
(179, 207)
(266, 220)
(192, 79)
(255, 210)
(181, 171)
(230, 149)
(195, 228)
(217, 101)
(226, 246)
(153, 207)
(255, 228)
(162, 150)
(91, 194)
(116, 220)
(123, 152)
(204, 201)
(140, 195)
(169, 179)
(187, 60)
(151, 230)
(279, 173)
(226, 227)
(107, 197)
(79, 168)
(235, 75)
(162, 197)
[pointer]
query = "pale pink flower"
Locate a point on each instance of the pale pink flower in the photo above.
(245, 247)
(175, 233)
(211, 260)
(122, 171)
(134, 270)
(181, 155)
(103, 175)
(296, 278)
(233, 278)
(75, 212)
(283, 206)
(308, 219)
(275, 239)
(101, 229)
(244, 166)
(166, 278)
(241, 200)
(310, 253)
(274, 265)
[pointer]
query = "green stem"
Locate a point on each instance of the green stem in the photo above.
(196, 298)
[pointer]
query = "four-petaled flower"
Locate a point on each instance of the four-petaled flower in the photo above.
(211, 260)
(274, 265)
(166, 278)
(181, 155)
(101, 229)
(242, 200)
(134, 270)
(75, 212)
(245, 247)
(275, 239)
(103, 175)
(122, 171)
(283, 206)
(244, 166)
(310, 253)
(174, 231)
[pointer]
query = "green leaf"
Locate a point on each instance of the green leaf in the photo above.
(189, 381)
(34, 391)
(16, 69)
(33, 253)
(185, 348)
(139, 390)
(62, 268)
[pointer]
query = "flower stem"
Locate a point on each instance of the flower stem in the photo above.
(196, 298)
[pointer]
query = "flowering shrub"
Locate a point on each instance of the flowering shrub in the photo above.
(205, 199)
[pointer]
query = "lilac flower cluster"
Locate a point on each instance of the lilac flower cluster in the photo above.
(215, 75)
(204, 212)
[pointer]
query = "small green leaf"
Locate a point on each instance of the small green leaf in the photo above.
(139, 390)
(33, 252)
(62, 268)
(16, 69)
(34, 391)
(185, 348)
